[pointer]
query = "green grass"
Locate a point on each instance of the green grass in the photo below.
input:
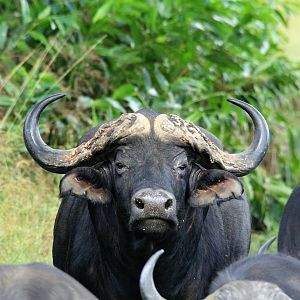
(28, 205)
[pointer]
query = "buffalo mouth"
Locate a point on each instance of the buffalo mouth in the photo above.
(153, 225)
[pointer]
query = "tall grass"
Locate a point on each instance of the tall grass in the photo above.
(28, 204)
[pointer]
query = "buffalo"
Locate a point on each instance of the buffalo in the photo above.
(289, 238)
(143, 182)
(39, 281)
(264, 276)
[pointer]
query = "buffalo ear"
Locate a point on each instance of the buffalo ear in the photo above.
(211, 186)
(86, 182)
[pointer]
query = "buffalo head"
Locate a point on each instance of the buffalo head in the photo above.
(151, 167)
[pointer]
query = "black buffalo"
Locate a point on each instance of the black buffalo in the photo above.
(143, 182)
(289, 230)
(39, 281)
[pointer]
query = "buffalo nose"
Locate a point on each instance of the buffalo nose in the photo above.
(140, 203)
(153, 199)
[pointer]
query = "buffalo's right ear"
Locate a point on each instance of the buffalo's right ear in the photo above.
(86, 182)
(212, 186)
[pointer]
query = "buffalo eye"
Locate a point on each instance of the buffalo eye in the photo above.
(182, 167)
(120, 167)
(80, 178)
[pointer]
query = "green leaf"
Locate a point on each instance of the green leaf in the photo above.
(123, 91)
(25, 12)
(189, 85)
(195, 117)
(44, 13)
(39, 37)
(133, 103)
(161, 79)
(147, 79)
(115, 104)
(102, 11)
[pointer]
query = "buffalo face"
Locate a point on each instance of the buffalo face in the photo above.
(147, 184)
(152, 184)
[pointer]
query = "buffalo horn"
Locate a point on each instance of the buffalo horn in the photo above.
(266, 246)
(172, 128)
(47, 157)
(243, 163)
(147, 285)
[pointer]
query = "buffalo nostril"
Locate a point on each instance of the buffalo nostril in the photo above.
(139, 203)
(168, 203)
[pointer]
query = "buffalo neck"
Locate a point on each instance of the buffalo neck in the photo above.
(180, 268)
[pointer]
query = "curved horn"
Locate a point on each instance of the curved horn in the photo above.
(170, 128)
(243, 163)
(266, 246)
(147, 285)
(47, 157)
(60, 161)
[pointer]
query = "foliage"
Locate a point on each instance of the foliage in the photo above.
(175, 56)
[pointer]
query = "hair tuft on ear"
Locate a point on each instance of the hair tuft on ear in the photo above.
(212, 186)
(86, 182)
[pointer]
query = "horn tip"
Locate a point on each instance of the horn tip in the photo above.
(58, 95)
(160, 252)
(233, 100)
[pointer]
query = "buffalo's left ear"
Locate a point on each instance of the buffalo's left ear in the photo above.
(87, 183)
(211, 186)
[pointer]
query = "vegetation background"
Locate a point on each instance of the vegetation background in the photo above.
(115, 56)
